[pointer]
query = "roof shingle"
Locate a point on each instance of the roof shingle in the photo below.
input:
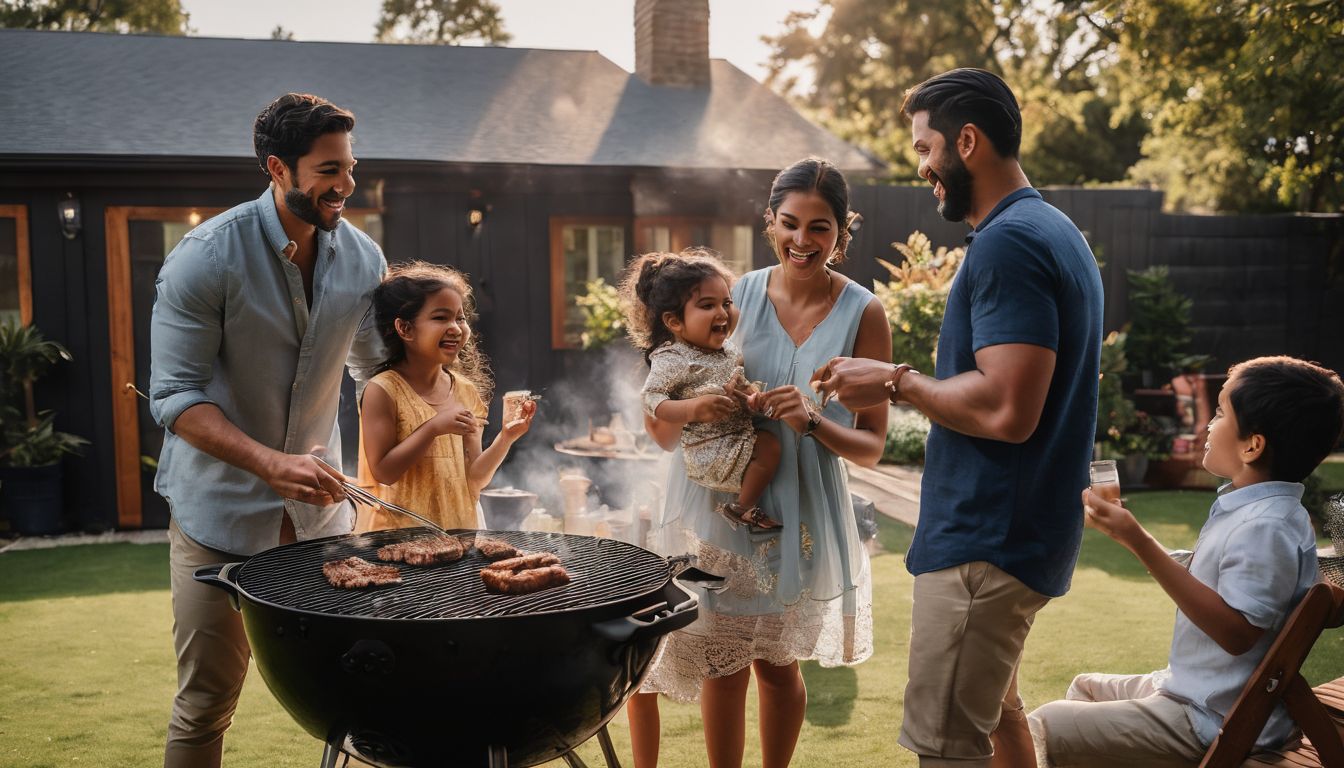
(69, 94)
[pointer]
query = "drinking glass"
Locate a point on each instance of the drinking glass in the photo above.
(1106, 480)
(1105, 483)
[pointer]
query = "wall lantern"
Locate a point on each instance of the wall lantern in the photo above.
(475, 216)
(67, 211)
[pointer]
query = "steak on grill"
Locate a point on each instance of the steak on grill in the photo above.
(494, 549)
(356, 572)
(427, 551)
(522, 582)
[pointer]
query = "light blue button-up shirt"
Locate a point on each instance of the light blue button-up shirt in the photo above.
(232, 326)
(1258, 551)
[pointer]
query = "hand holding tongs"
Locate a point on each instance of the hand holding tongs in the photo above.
(361, 496)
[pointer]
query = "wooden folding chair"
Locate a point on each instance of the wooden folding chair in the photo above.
(1277, 678)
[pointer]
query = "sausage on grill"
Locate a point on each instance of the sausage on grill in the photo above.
(522, 582)
(523, 562)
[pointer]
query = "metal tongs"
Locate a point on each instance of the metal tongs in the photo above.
(361, 496)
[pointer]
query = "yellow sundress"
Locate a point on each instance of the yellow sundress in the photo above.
(436, 485)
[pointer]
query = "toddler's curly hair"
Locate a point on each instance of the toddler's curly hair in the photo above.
(663, 282)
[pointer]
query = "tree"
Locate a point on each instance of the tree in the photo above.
(280, 33)
(1246, 101)
(164, 17)
(866, 55)
(441, 22)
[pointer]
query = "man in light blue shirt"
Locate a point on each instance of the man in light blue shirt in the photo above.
(257, 312)
(1277, 418)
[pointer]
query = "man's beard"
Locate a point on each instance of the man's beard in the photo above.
(957, 186)
(299, 205)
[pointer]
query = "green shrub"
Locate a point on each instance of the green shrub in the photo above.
(907, 430)
(603, 321)
(915, 297)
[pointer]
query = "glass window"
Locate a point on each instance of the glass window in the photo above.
(732, 241)
(585, 253)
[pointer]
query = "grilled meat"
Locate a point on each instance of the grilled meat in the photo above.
(524, 562)
(505, 582)
(356, 572)
(494, 549)
(427, 551)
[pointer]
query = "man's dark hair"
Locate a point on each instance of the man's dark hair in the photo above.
(1297, 406)
(966, 95)
(288, 126)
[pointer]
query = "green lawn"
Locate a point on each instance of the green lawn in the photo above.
(1331, 475)
(88, 671)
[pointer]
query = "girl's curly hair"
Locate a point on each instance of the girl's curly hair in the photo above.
(402, 295)
(663, 282)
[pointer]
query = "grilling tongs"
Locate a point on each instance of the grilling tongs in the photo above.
(361, 496)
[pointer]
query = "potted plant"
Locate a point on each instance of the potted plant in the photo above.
(30, 446)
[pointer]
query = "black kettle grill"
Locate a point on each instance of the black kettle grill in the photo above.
(439, 672)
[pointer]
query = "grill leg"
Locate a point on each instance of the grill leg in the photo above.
(499, 757)
(329, 755)
(608, 751)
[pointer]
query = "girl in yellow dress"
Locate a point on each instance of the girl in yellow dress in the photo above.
(422, 415)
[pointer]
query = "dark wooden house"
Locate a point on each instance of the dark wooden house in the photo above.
(531, 170)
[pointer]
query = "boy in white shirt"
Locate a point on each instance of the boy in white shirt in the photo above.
(1277, 418)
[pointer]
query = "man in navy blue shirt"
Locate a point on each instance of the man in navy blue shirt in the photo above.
(1013, 404)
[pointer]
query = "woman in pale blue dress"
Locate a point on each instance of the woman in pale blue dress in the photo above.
(801, 591)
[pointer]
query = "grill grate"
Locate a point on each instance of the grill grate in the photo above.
(601, 571)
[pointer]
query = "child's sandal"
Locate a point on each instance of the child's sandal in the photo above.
(730, 513)
(758, 520)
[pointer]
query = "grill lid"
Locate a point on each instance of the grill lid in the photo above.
(602, 571)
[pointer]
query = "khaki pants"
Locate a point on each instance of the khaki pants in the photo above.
(1115, 720)
(966, 635)
(212, 656)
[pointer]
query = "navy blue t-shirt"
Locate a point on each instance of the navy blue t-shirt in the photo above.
(1028, 278)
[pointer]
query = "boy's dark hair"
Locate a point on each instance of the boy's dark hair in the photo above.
(1297, 406)
(663, 282)
(288, 126)
(814, 174)
(967, 95)
(402, 295)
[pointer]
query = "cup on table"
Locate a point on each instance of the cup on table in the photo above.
(1105, 481)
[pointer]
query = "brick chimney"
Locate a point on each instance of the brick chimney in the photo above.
(672, 42)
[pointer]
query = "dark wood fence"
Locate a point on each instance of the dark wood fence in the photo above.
(1261, 284)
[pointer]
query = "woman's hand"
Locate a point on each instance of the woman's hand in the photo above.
(1113, 520)
(518, 427)
(787, 404)
(455, 420)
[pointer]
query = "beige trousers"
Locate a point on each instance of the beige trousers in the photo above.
(1108, 721)
(966, 635)
(212, 656)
